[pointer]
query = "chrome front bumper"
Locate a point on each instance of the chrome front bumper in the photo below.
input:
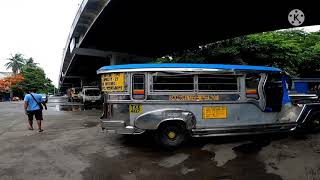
(118, 127)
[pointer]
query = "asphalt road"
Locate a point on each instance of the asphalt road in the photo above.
(73, 147)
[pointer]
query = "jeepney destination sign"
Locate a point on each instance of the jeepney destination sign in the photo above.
(113, 82)
(194, 98)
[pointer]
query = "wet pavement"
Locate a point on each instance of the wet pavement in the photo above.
(73, 147)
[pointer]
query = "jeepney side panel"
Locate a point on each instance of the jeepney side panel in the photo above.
(239, 111)
(152, 119)
(252, 111)
(116, 109)
(253, 115)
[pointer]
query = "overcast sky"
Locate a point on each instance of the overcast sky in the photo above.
(38, 29)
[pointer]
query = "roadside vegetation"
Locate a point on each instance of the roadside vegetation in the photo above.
(295, 51)
(26, 74)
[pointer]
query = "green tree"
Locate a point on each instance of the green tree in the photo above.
(294, 51)
(15, 63)
(30, 62)
(34, 77)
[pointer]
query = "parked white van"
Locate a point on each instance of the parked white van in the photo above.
(90, 95)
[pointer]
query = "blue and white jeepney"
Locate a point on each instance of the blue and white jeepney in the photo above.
(201, 100)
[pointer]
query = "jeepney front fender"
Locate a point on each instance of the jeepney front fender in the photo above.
(151, 120)
(307, 113)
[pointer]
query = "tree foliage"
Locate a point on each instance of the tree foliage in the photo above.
(30, 62)
(34, 77)
(26, 75)
(15, 63)
(295, 51)
(8, 82)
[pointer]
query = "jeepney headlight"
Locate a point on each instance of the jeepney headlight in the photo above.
(185, 113)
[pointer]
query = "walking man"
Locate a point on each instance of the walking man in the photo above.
(33, 107)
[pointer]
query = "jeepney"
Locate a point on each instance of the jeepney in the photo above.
(73, 94)
(200, 100)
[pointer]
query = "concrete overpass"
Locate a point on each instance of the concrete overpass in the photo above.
(126, 31)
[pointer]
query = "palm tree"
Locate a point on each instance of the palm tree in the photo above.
(15, 63)
(30, 62)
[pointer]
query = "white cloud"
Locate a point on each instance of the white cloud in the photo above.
(38, 29)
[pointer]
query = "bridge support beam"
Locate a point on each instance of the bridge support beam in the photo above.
(119, 58)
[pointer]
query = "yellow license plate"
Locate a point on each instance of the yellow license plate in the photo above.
(214, 112)
(135, 108)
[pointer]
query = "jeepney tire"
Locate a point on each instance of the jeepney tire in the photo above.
(162, 135)
(313, 124)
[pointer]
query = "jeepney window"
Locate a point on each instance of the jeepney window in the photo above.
(217, 83)
(138, 87)
(173, 83)
(252, 84)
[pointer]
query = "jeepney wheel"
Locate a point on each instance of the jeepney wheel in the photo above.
(171, 135)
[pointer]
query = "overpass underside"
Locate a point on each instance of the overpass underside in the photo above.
(127, 31)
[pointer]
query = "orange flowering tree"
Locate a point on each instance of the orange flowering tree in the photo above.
(7, 82)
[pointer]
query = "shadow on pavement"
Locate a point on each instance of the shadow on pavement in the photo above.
(251, 144)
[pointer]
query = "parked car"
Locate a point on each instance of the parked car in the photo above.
(45, 98)
(16, 99)
(90, 95)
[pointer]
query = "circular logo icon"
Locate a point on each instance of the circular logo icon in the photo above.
(296, 17)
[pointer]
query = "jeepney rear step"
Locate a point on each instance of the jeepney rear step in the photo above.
(112, 124)
(119, 127)
(244, 130)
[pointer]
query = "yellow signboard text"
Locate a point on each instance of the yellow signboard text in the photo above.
(214, 112)
(113, 82)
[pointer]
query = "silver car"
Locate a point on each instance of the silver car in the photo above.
(44, 97)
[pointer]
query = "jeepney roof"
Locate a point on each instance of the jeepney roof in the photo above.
(182, 67)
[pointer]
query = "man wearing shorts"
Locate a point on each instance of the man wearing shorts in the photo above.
(33, 107)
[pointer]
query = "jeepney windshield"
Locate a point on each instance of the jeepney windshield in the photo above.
(92, 92)
(76, 90)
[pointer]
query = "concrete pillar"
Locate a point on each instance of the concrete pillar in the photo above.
(118, 58)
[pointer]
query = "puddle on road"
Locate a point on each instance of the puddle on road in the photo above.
(72, 107)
